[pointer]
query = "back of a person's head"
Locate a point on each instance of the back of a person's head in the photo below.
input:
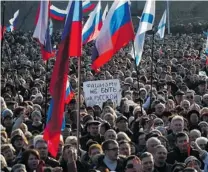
(18, 167)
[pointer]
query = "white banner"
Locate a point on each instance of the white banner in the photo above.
(97, 92)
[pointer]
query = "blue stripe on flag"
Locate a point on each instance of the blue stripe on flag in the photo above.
(120, 13)
(77, 15)
(160, 27)
(147, 18)
(49, 113)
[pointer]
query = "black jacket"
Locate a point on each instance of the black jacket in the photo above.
(87, 137)
(171, 140)
(176, 155)
(50, 162)
(166, 168)
(80, 166)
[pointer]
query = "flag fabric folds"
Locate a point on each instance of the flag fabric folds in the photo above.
(42, 30)
(57, 13)
(68, 97)
(105, 13)
(206, 46)
(146, 24)
(116, 33)
(93, 25)
(161, 26)
(70, 45)
(87, 6)
(13, 22)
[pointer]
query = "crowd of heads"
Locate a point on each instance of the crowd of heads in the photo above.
(161, 123)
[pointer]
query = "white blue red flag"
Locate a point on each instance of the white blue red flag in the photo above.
(57, 13)
(13, 22)
(146, 24)
(70, 46)
(116, 32)
(93, 25)
(87, 6)
(42, 30)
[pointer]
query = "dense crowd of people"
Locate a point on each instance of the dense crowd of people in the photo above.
(161, 124)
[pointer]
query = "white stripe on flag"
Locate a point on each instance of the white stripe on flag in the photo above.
(42, 24)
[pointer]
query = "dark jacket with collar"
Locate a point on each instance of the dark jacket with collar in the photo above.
(50, 162)
(171, 140)
(80, 167)
(102, 166)
(176, 155)
(84, 140)
(166, 168)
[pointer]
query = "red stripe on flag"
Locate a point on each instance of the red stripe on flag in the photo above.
(53, 128)
(75, 47)
(69, 97)
(120, 39)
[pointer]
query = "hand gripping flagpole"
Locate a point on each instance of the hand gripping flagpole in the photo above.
(152, 54)
(138, 74)
(78, 104)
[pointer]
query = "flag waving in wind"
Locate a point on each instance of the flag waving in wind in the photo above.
(42, 30)
(117, 32)
(206, 46)
(70, 45)
(146, 24)
(13, 22)
(105, 13)
(93, 25)
(68, 97)
(87, 6)
(57, 13)
(161, 26)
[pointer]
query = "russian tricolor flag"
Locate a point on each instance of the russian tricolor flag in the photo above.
(60, 15)
(87, 6)
(57, 13)
(13, 22)
(69, 93)
(93, 25)
(70, 45)
(68, 97)
(42, 31)
(116, 32)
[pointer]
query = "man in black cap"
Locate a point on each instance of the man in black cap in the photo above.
(179, 97)
(122, 125)
(93, 134)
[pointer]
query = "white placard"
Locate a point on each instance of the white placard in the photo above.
(97, 92)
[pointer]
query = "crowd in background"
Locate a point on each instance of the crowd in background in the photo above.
(161, 124)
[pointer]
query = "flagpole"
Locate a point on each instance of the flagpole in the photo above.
(3, 22)
(46, 93)
(152, 54)
(168, 15)
(138, 74)
(78, 104)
